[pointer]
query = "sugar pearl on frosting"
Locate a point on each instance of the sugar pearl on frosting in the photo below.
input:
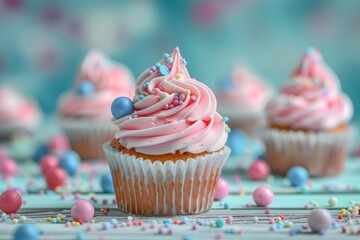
(187, 92)
(179, 76)
(163, 95)
(157, 91)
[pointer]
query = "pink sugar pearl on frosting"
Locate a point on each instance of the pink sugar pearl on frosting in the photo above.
(82, 210)
(263, 196)
(222, 189)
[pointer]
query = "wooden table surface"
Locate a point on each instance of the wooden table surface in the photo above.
(288, 201)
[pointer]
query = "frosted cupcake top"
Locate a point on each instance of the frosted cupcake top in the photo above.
(172, 112)
(311, 99)
(16, 111)
(243, 93)
(99, 81)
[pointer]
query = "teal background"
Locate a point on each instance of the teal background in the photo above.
(43, 42)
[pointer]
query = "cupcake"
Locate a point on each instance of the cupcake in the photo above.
(242, 98)
(84, 113)
(169, 149)
(308, 121)
(18, 114)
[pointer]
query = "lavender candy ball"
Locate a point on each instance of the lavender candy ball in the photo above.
(320, 220)
(82, 210)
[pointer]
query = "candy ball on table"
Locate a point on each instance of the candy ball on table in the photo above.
(320, 220)
(236, 141)
(27, 231)
(107, 183)
(263, 196)
(297, 176)
(222, 189)
(70, 162)
(121, 107)
(55, 177)
(8, 168)
(82, 210)
(258, 170)
(10, 201)
(48, 162)
(40, 151)
(58, 144)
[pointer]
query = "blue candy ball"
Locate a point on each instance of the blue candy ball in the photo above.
(27, 231)
(236, 141)
(70, 162)
(121, 107)
(107, 183)
(41, 151)
(298, 176)
(86, 88)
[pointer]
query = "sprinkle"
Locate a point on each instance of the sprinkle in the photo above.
(293, 231)
(151, 72)
(166, 55)
(166, 106)
(185, 220)
(67, 224)
(219, 222)
(248, 205)
(22, 218)
(225, 119)
(15, 221)
(267, 211)
(255, 219)
(219, 236)
(229, 219)
(153, 68)
(179, 76)
(288, 224)
(163, 95)
(181, 102)
(89, 228)
(226, 205)
(141, 97)
(80, 236)
(157, 65)
(171, 106)
(146, 84)
(271, 221)
(193, 97)
(187, 92)
(164, 70)
(332, 201)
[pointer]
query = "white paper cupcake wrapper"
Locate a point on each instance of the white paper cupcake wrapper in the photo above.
(90, 133)
(170, 188)
(314, 151)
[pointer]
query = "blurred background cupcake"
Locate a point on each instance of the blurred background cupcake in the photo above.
(308, 121)
(84, 111)
(242, 97)
(19, 114)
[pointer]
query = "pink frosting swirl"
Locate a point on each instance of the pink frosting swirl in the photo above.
(245, 93)
(173, 112)
(17, 111)
(109, 79)
(311, 99)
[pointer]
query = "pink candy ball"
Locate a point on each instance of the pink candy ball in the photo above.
(222, 189)
(8, 168)
(48, 162)
(10, 201)
(58, 144)
(263, 196)
(55, 177)
(82, 210)
(258, 170)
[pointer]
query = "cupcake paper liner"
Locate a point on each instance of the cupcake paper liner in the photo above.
(86, 136)
(322, 154)
(172, 187)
